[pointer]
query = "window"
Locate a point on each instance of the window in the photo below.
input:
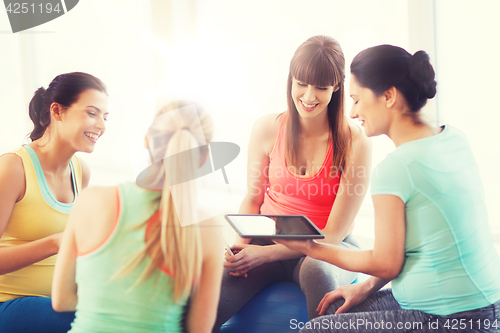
(468, 85)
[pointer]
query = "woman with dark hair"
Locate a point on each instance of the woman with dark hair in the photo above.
(309, 160)
(432, 237)
(38, 184)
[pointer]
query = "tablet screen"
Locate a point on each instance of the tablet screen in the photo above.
(274, 226)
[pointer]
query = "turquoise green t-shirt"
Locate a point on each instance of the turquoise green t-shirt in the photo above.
(450, 264)
(111, 305)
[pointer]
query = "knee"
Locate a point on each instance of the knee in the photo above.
(312, 268)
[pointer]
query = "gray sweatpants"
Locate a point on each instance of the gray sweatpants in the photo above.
(382, 313)
(315, 277)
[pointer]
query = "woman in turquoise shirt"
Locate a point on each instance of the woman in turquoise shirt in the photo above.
(432, 237)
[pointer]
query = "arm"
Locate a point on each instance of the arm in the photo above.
(12, 189)
(387, 257)
(262, 139)
(353, 294)
(351, 192)
(64, 288)
(261, 143)
(203, 308)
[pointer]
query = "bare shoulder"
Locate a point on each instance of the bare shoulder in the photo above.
(12, 163)
(359, 140)
(96, 202)
(97, 195)
(12, 174)
(269, 121)
(265, 131)
(92, 217)
(85, 172)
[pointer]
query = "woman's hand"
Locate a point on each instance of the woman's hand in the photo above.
(56, 240)
(353, 294)
(245, 258)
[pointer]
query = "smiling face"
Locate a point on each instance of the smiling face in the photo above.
(369, 109)
(310, 100)
(84, 121)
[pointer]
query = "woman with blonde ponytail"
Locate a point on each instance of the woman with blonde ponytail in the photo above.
(137, 251)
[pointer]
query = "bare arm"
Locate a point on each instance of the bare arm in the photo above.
(64, 288)
(352, 190)
(352, 294)
(203, 308)
(260, 145)
(12, 189)
(374, 284)
(387, 257)
(85, 173)
(262, 139)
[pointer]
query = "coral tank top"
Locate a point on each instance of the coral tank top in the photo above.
(290, 194)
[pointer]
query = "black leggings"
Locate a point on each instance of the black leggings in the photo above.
(382, 313)
(316, 278)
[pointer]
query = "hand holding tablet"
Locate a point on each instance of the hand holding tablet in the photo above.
(297, 227)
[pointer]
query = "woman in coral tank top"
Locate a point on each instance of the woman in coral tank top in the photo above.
(310, 160)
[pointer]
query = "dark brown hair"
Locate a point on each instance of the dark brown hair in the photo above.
(381, 67)
(64, 90)
(319, 61)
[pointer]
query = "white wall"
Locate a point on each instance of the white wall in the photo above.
(98, 37)
(468, 75)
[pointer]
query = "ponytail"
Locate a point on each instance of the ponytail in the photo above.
(180, 241)
(39, 114)
(173, 242)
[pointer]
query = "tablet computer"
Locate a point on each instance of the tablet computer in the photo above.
(274, 226)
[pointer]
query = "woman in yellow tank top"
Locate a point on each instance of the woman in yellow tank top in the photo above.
(38, 184)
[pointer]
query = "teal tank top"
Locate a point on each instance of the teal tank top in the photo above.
(450, 263)
(106, 305)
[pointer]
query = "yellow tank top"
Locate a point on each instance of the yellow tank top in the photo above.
(37, 215)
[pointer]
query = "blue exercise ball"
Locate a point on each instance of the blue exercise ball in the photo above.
(278, 308)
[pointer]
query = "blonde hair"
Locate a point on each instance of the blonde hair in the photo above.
(171, 244)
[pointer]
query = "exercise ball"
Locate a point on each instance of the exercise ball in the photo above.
(278, 308)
